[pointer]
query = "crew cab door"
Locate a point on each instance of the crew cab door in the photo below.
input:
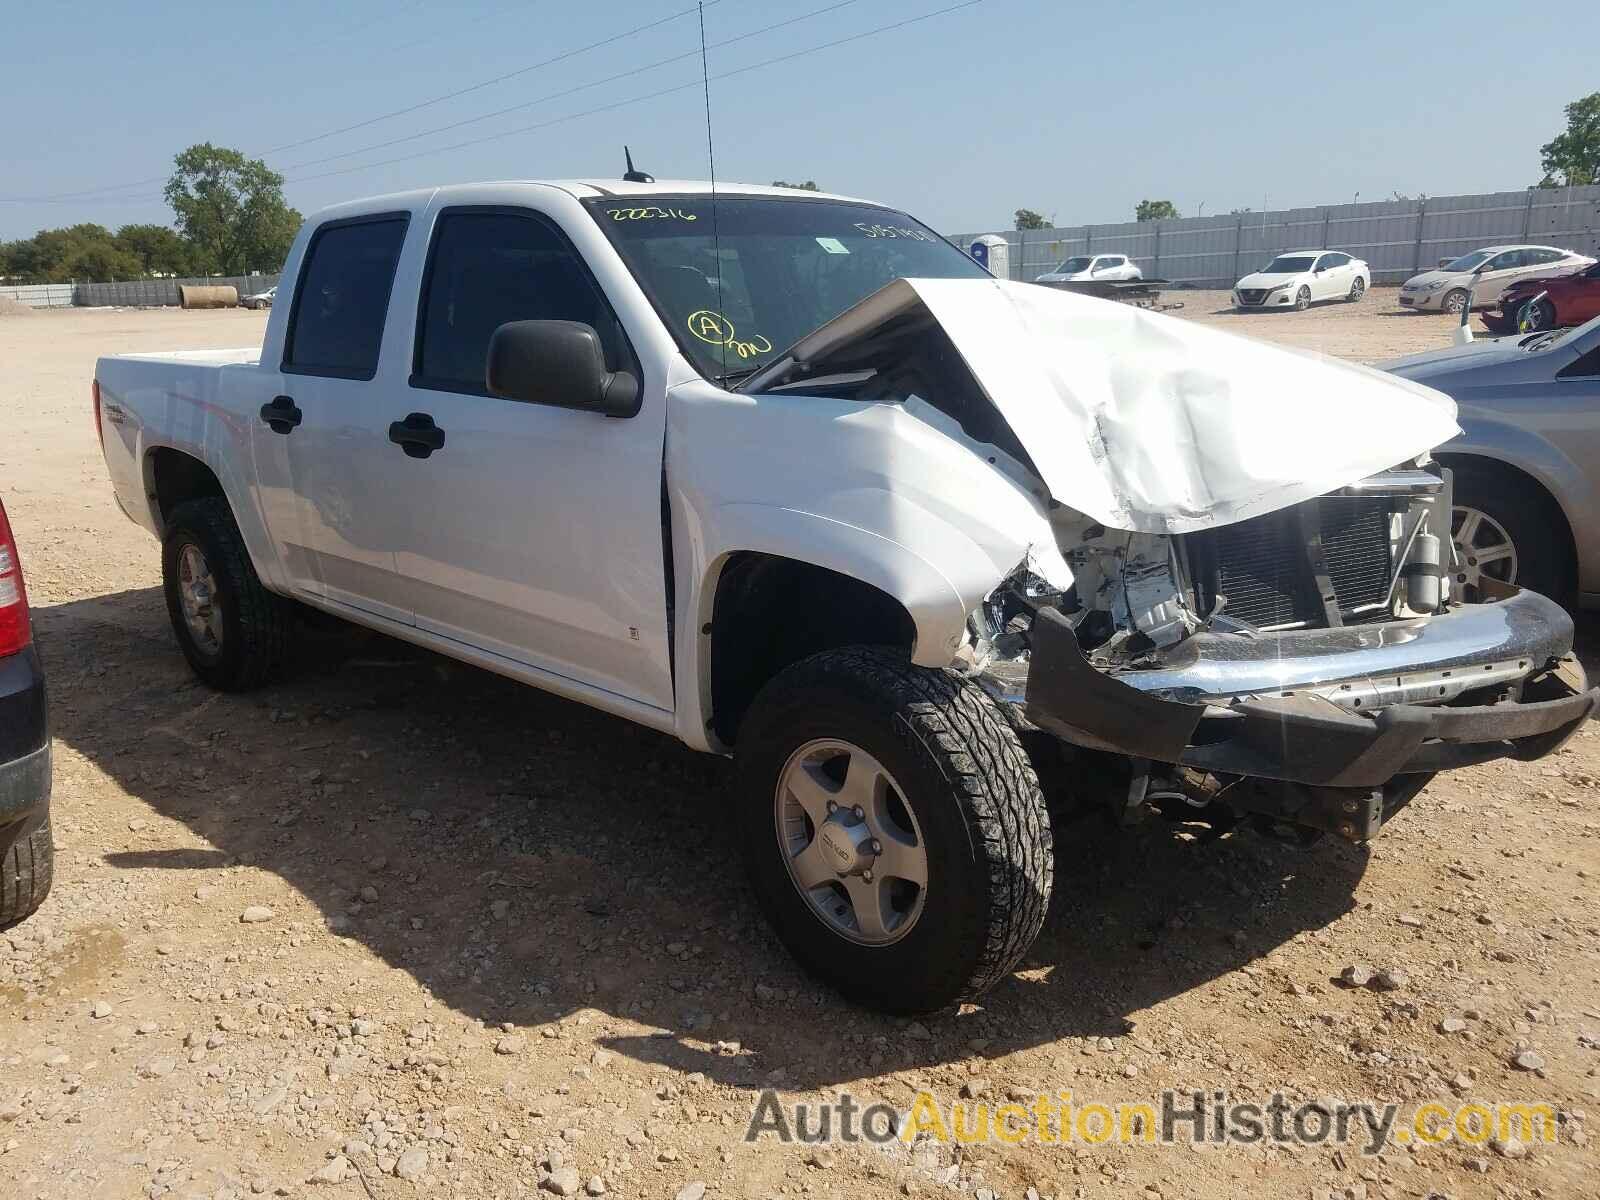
(325, 472)
(535, 531)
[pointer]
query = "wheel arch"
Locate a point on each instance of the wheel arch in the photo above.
(768, 611)
(174, 474)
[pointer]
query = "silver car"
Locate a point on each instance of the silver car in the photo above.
(1527, 463)
(1484, 274)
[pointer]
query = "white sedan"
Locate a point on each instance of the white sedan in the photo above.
(1110, 268)
(1299, 278)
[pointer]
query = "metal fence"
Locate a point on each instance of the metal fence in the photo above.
(165, 291)
(128, 293)
(39, 295)
(1397, 238)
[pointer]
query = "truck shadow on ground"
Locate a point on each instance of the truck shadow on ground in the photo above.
(533, 858)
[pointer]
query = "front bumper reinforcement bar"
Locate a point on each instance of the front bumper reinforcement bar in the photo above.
(1209, 712)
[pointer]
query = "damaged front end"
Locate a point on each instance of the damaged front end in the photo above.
(1230, 586)
(1307, 668)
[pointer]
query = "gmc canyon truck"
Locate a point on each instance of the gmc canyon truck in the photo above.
(792, 479)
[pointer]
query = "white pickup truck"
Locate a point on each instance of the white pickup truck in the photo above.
(791, 478)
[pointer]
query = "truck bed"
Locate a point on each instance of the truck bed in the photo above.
(179, 394)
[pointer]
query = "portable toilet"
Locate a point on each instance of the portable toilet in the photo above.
(993, 253)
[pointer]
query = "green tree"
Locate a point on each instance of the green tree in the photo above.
(231, 210)
(809, 185)
(1572, 157)
(1026, 218)
(1155, 210)
(77, 253)
(160, 250)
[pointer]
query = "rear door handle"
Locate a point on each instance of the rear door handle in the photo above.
(417, 435)
(281, 415)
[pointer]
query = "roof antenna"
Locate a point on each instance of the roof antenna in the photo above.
(711, 155)
(632, 176)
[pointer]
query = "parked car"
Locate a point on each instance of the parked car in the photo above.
(1485, 274)
(1527, 462)
(1096, 267)
(260, 299)
(1535, 304)
(789, 477)
(1299, 278)
(27, 854)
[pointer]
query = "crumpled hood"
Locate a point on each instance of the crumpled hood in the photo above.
(1149, 423)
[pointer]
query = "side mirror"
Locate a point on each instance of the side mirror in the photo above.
(1445, 262)
(559, 363)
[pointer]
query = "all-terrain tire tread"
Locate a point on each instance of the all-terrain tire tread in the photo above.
(987, 768)
(266, 619)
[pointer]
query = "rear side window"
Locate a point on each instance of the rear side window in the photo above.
(491, 266)
(336, 325)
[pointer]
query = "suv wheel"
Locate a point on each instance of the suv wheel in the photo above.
(893, 829)
(233, 631)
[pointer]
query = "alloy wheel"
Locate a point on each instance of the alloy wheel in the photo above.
(1483, 550)
(197, 590)
(851, 842)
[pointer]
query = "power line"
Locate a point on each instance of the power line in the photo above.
(563, 56)
(582, 87)
(682, 87)
(478, 87)
(603, 108)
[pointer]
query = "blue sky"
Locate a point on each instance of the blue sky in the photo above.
(1078, 111)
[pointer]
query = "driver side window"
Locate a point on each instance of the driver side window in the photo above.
(491, 266)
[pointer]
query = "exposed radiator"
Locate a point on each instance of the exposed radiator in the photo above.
(1263, 567)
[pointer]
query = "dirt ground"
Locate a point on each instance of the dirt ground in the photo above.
(510, 947)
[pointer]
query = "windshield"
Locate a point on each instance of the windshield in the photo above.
(1072, 266)
(786, 267)
(1468, 262)
(1289, 264)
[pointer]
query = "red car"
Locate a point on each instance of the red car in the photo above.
(1562, 300)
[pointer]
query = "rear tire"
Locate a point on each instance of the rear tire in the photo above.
(1358, 289)
(27, 866)
(953, 768)
(233, 631)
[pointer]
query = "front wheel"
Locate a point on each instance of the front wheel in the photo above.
(1536, 315)
(1358, 289)
(893, 829)
(1454, 302)
(1302, 299)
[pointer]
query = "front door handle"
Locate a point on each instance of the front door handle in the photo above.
(417, 435)
(281, 415)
